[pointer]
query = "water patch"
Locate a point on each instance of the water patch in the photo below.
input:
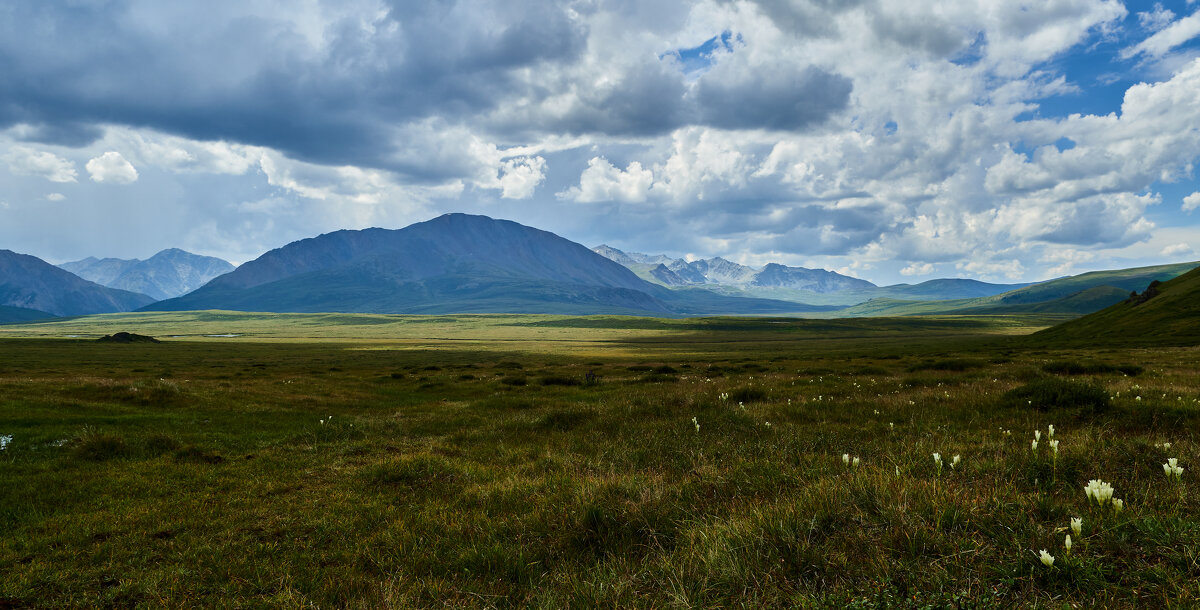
(5, 439)
(223, 336)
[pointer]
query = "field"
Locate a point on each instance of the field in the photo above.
(546, 461)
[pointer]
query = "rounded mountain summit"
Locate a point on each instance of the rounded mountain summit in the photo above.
(455, 263)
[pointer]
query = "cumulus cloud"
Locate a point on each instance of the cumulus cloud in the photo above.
(917, 269)
(1191, 202)
(1175, 250)
(602, 181)
(112, 168)
(1166, 39)
(55, 197)
(24, 161)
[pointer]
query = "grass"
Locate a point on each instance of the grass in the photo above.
(398, 462)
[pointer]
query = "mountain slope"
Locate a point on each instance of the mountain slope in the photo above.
(453, 263)
(168, 274)
(1079, 294)
(20, 314)
(1167, 314)
(31, 283)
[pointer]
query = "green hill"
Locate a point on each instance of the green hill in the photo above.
(1170, 317)
(1077, 294)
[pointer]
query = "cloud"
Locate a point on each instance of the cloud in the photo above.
(24, 161)
(55, 197)
(112, 168)
(1191, 202)
(917, 269)
(601, 181)
(1166, 39)
(1156, 18)
(520, 176)
(1175, 250)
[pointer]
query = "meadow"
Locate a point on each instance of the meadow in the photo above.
(546, 461)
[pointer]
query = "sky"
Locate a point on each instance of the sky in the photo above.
(893, 141)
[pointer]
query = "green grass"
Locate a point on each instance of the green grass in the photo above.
(391, 461)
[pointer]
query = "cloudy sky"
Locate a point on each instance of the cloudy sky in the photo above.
(994, 139)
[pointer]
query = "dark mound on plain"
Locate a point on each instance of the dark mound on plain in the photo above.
(124, 337)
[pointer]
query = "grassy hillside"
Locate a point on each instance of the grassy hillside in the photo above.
(1170, 318)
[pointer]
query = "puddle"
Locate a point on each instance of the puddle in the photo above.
(222, 335)
(5, 439)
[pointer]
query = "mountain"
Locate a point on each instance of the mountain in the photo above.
(170, 273)
(29, 282)
(944, 289)
(1078, 294)
(20, 314)
(456, 263)
(724, 273)
(1165, 313)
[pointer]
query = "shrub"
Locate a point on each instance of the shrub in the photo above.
(1070, 367)
(1059, 395)
(559, 380)
(747, 394)
(95, 446)
(957, 365)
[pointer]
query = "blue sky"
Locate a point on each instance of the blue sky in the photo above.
(896, 142)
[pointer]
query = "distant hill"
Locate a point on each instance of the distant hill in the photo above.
(170, 273)
(456, 263)
(29, 282)
(1164, 314)
(20, 314)
(1078, 294)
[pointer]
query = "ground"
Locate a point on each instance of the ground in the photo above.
(541, 461)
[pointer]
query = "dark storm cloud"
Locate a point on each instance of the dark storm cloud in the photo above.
(784, 98)
(257, 81)
(259, 78)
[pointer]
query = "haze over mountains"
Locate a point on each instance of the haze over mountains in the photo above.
(798, 284)
(30, 283)
(459, 263)
(170, 273)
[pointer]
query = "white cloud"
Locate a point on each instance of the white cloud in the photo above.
(1175, 250)
(917, 269)
(601, 181)
(111, 167)
(520, 176)
(1010, 269)
(24, 161)
(55, 197)
(1191, 202)
(1156, 18)
(1166, 39)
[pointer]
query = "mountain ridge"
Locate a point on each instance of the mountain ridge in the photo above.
(28, 282)
(168, 273)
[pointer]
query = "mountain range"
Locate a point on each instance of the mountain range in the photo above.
(456, 263)
(170, 273)
(459, 263)
(30, 283)
(798, 284)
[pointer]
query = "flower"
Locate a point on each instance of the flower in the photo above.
(1077, 525)
(856, 462)
(954, 461)
(1067, 542)
(1172, 469)
(1118, 504)
(1047, 559)
(1054, 446)
(696, 423)
(846, 459)
(1033, 445)
(1051, 429)
(1037, 435)
(1099, 491)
